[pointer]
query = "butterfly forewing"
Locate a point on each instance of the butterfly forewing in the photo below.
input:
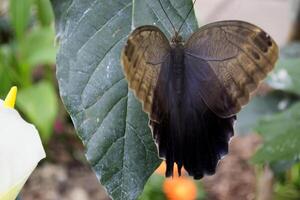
(146, 49)
(238, 56)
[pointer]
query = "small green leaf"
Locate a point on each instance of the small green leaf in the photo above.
(39, 104)
(106, 115)
(19, 16)
(38, 47)
(45, 12)
(281, 136)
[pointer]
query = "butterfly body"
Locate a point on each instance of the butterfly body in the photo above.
(187, 129)
(192, 91)
(177, 68)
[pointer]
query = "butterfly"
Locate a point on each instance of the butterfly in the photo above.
(192, 90)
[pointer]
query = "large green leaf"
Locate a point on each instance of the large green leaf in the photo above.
(281, 135)
(107, 116)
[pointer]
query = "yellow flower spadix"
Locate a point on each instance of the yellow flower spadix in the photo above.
(20, 148)
(10, 99)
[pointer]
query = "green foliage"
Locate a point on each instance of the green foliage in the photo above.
(45, 12)
(262, 106)
(286, 192)
(20, 16)
(39, 104)
(201, 193)
(287, 72)
(38, 47)
(281, 131)
(153, 188)
(281, 136)
(6, 74)
(107, 116)
(288, 187)
(30, 46)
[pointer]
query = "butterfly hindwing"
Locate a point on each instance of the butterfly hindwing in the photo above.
(239, 55)
(142, 57)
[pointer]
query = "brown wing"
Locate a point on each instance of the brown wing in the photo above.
(146, 49)
(238, 55)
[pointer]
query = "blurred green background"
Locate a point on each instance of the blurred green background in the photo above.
(27, 60)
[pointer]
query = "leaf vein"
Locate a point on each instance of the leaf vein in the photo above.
(106, 115)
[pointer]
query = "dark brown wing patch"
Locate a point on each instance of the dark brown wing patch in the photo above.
(240, 54)
(146, 49)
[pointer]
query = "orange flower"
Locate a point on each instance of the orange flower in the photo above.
(181, 188)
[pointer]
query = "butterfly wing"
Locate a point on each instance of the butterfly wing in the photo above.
(146, 49)
(238, 55)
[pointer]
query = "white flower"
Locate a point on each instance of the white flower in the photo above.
(20, 148)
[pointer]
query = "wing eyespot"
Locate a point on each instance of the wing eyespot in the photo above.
(255, 55)
(129, 50)
(270, 43)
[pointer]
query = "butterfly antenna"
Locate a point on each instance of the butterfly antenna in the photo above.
(187, 15)
(167, 16)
